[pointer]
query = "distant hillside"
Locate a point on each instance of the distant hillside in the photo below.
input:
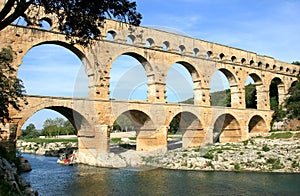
(223, 98)
(219, 98)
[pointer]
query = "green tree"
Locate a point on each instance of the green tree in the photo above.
(11, 88)
(30, 132)
(57, 126)
(69, 128)
(123, 123)
(77, 18)
(250, 96)
(174, 125)
(293, 101)
(296, 62)
(221, 98)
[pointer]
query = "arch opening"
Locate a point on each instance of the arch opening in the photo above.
(130, 39)
(226, 129)
(131, 125)
(209, 54)
(181, 49)
(111, 35)
(165, 46)
(45, 23)
(276, 88)
(128, 77)
(149, 43)
(220, 92)
(54, 69)
(257, 125)
(253, 81)
(196, 52)
(185, 130)
(179, 83)
(55, 121)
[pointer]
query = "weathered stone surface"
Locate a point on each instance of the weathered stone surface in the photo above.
(16, 184)
(95, 115)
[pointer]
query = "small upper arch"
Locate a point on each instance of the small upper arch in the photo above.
(149, 43)
(111, 35)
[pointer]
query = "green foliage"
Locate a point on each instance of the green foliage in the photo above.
(116, 140)
(174, 125)
(57, 126)
(221, 98)
(188, 101)
(265, 148)
(237, 166)
(250, 91)
(208, 155)
(285, 135)
(275, 163)
(90, 14)
(296, 62)
(50, 140)
(293, 101)
(123, 123)
(11, 88)
(274, 95)
(30, 132)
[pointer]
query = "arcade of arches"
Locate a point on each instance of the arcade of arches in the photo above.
(200, 123)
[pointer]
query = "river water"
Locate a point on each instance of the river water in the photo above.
(50, 178)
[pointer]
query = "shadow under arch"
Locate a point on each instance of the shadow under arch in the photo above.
(257, 125)
(140, 122)
(189, 127)
(227, 129)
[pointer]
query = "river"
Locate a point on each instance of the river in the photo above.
(50, 178)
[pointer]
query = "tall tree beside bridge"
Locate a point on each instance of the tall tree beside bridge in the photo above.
(11, 88)
(78, 19)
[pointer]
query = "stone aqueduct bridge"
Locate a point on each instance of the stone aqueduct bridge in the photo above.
(157, 51)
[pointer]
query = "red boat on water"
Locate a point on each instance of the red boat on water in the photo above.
(64, 160)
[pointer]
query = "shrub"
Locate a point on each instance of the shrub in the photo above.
(265, 148)
(208, 155)
(285, 135)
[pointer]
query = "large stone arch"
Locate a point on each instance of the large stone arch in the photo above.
(257, 125)
(227, 129)
(200, 84)
(235, 91)
(258, 98)
(144, 127)
(89, 71)
(277, 91)
(190, 127)
(78, 121)
(149, 73)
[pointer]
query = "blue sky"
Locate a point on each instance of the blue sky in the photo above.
(267, 27)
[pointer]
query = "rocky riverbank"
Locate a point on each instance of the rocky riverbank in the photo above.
(260, 154)
(46, 149)
(264, 155)
(10, 182)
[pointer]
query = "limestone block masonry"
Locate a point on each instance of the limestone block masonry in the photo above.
(157, 51)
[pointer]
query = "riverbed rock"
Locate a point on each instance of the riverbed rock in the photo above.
(14, 184)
